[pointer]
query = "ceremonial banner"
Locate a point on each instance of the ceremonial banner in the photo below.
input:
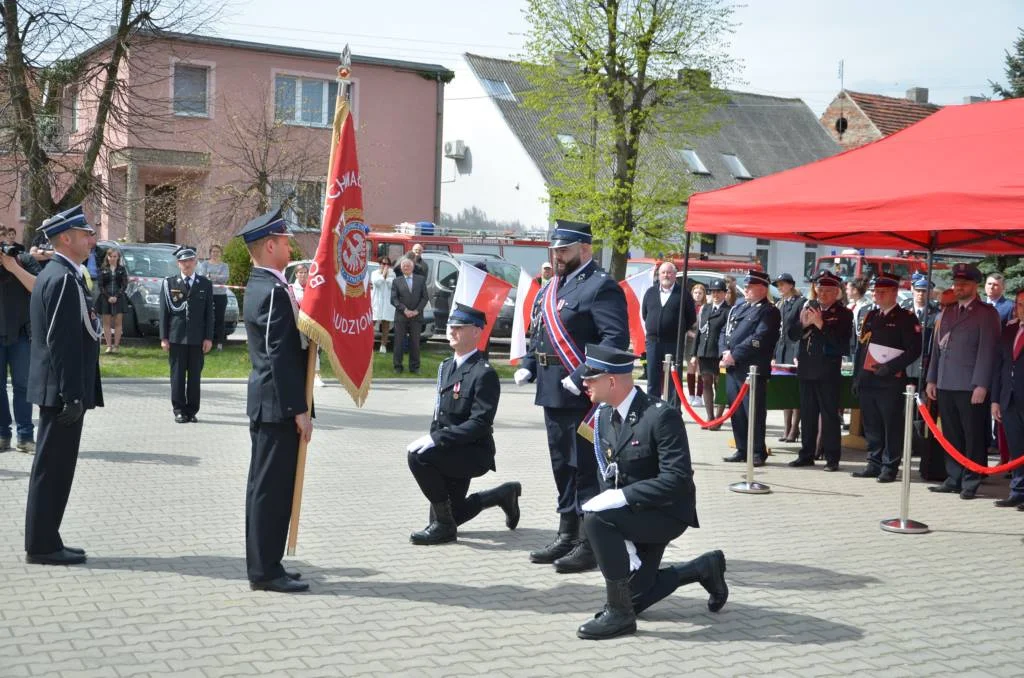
(336, 310)
(484, 292)
(635, 287)
(526, 296)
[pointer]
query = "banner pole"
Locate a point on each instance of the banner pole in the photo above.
(666, 374)
(749, 486)
(903, 524)
(300, 462)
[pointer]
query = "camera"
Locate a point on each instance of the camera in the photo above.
(11, 249)
(813, 303)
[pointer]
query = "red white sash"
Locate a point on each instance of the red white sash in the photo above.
(565, 348)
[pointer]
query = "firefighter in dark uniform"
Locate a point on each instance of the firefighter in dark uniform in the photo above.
(707, 352)
(63, 380)
(275, 403)
(647, 500)
(581, 305)
(460, 445)
(822, 328)
(916, 305)
(748, 338)
(186, 332)
(890, 341)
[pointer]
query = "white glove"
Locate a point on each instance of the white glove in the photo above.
(609, 499)
(569, 386)
(420, 445)
(522, 375)
(634, 559)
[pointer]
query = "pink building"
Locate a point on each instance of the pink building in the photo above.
(208, 123)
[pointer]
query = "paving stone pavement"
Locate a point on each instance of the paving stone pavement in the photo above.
(816, 588)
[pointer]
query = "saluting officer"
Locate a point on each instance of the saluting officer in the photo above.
(890, 341)
(275, 404)
(707, 352)
(582, 305)
(63, 380)
(186, 332)
(917, 305)
(822, 328)
(460, 445)
(748, 338)
(647, 499)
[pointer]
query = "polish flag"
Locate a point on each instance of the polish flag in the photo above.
(484, 292)
(635, 287)
(526, 296)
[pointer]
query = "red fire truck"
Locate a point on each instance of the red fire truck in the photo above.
(850, 264)
(721, 263)
(527, 253)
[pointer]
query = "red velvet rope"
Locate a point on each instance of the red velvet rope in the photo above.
(955, 453)
(696, 417)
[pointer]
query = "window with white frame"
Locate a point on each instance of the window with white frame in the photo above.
(736, 166)
(303, 200)
(693, 161)
(306, 101)
(191, 94)
(73, 105)
(498, 89)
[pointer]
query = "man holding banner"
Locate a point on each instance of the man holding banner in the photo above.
(581, 305)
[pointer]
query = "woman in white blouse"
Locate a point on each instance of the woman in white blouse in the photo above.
(380, 296)
(298, 288)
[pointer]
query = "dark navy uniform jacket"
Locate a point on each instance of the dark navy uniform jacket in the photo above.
(750, 333)
(897, 329)
(277, 388)
(1007, 371)
(65, 359)
(193, 322)
(462, 429)
(821, 351)
(593, 310)
(914, 369)
(653, 458)
(787, 349)
(709, 329)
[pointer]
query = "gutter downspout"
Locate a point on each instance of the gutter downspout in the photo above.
(438, 141)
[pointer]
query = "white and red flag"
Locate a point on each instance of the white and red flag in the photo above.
(484, 292)
(635, 287)
(526, 296)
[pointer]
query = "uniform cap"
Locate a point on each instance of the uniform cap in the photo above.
(569, 233)
(828, 279)
(967, 272)
(271, 223)
(718, 285)
(73, 218)
(184, 253)
(757, 278)
(783, 277)
(464, 315)
(607, 360)
(886, 280)
(920, 282)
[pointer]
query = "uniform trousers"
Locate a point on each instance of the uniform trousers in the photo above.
(656, 352)
(741, 417)
(268, 497)
(220, 307)
(1013, 424)
(49, 487)
(650, 531)
(572, 458)
(820, 397)
(186, 370)
(881, 408)
(438, 487)
(964, 425)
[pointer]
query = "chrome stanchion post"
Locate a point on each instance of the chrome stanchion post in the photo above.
(903, 524)
(749, 486)
(666, 380)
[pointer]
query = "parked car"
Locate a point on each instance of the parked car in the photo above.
(148, 264)
(443, 276)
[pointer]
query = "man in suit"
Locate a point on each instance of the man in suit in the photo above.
(581, 305)
(707, 353)
(822, 328)
(994, 295)
(64, 381)
(1008, 397)
(276, 403)
(926, 312)
(748, 338)
(786, 350)
(647, 500)
(660, 313)
(409, 297)
(959, 377)
(891, 336)
(186, 332)
(460, 445)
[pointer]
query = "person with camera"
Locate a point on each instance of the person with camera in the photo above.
(18, 271)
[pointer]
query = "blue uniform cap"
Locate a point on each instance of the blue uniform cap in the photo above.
(569, 233)
(920, 282)
(828, 279)
(717, 285)
(606, 360)
(185, 252)
(466, 315)
(73, 218)
(271, 223)
(967, 272)
(783, 277)
(757, 278)
(886, 280)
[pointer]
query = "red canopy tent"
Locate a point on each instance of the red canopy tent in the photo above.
(954, 181)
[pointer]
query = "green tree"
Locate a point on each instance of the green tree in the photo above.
(622, 84)
(1014, 71)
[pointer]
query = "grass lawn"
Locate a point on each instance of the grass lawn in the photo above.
(142, 359)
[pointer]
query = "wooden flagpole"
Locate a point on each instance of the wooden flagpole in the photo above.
(300, 462)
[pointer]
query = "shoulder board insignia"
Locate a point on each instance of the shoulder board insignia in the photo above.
(756, 343)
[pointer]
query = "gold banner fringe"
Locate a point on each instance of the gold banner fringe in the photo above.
(316, 332)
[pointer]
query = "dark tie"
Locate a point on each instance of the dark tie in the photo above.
(188, 286)
(616, 423)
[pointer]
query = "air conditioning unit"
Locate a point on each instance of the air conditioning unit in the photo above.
(455, 149)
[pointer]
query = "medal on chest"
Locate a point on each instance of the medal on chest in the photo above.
(456, 390)
(561, 304)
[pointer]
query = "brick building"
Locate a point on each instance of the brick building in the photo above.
(855, 118)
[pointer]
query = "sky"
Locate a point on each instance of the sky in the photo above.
(788, 48)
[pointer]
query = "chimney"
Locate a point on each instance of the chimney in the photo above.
(975, 100)
(919, 95)
(694, 78)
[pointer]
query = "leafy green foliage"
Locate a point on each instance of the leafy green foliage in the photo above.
(1014, 71)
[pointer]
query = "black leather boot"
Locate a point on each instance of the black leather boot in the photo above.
(709, 570)
(616, 619)
(506, 496)
(442, 528)
(568, 533)
(580, 559)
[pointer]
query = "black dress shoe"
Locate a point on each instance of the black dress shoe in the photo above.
(580, 559)
(74, 549)
(294, 575)
(1009, 502)
(866, 473)
(886, 477)
(1021, 507)
(279, 585)
(62, 557)
(193, 419)
(181, 418)
(736, 458)
(758, 463)
(831, 468)
(968, 494)
(801, 462)
(943, 489)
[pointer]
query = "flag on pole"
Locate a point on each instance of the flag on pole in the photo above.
(526, 296)
(484, 292)
(335, 309)
(635, 287)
